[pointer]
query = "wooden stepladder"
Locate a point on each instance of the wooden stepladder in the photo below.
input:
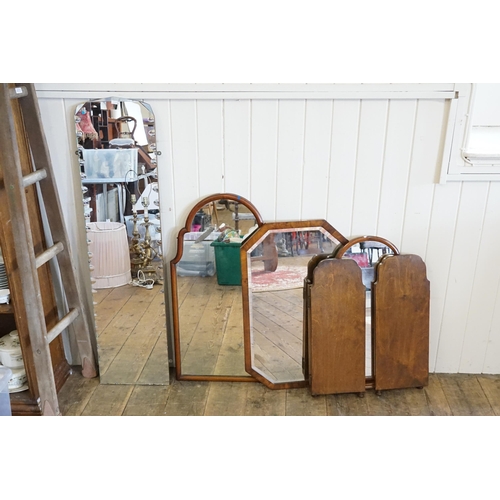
(27, 261)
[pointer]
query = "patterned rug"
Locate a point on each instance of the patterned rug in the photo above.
(284, 278)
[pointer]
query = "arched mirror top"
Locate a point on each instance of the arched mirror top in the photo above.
(116, 139)
(365, 242)
(367, 252)
(205, 214)
(126, 116)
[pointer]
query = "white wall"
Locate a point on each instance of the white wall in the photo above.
(365, 157)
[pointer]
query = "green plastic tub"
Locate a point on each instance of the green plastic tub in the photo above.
(227, 262)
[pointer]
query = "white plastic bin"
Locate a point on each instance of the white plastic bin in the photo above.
(5, 375)
(117, 164)
(198, 259)
(110, 254)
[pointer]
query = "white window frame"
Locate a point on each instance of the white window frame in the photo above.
(458, 163)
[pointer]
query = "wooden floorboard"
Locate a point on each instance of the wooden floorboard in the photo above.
(436, 398)
(132, 344)
(491, 387)
(465, 395)
(346, 405)
(187, 399)
(300, 403)
(446, 395)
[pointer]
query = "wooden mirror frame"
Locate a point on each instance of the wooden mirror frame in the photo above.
(339, 253)
(249, 242)
(175, 299)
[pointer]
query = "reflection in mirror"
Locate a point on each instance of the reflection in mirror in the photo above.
(274, 264)
(117, 155)
(367, 252)
(206, 289)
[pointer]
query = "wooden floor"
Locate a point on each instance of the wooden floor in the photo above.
(446, 395)
(211, 330)
(132, 339)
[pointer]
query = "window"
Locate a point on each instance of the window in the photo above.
(474, 134)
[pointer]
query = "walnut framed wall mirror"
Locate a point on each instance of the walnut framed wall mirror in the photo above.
(274, 264)
(208, 316)
(118, 159)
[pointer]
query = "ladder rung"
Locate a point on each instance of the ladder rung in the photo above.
(64, 323)
(50, 253)
(17, 92)
(35, 176)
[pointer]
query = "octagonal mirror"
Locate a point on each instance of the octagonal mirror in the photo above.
(274, 263)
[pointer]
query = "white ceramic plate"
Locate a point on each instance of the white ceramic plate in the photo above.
(4, 296)
(19, 389)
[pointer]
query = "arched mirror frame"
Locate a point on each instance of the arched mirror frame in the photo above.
(340, 252)
(256, 236)
(173, 280)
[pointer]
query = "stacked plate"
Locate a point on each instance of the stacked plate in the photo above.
(4, 282)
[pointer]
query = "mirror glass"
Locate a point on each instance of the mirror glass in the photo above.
(206, 288)
(366, 254)
(276, 264)
(117, 155)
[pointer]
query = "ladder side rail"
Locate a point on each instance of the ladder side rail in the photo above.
(21, 232)
(84, 334)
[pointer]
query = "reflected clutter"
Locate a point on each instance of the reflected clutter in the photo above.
(117, 154)
(367, 251)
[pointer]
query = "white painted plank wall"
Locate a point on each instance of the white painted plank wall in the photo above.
(316, 167)
(264, 155)
(291, 133)
(367, 165)
(344, 154)
(371, 147)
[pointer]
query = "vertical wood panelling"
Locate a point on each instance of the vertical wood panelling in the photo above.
(264, 157)
(367, 166)
(210, 147)
(290, 159)
(343, 154)
(425, 159)
(492, 357)
(398, 148)
(484, 289)
(317, 146)
(461, 277)
(438, 256)
(184, 156)
(371, 146)
(237, 147)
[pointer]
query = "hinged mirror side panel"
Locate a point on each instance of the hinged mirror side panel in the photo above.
(400, 305)
(337, 331)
